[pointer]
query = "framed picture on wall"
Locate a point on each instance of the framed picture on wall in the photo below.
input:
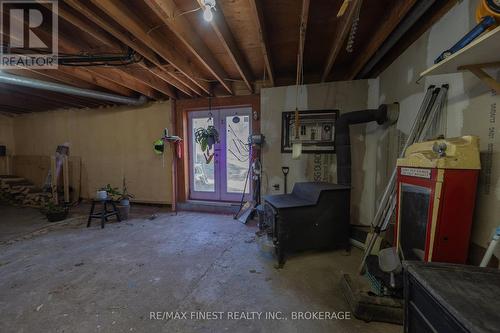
(316, 131)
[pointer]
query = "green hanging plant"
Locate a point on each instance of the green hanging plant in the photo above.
(206, 138)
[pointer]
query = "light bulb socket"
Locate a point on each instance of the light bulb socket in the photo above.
(207, 14)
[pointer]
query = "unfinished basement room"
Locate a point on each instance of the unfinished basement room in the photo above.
(249, 166)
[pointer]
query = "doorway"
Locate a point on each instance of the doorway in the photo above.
(220, 174)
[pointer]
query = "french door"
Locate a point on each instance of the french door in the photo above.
(221, 173)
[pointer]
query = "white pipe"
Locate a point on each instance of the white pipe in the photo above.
(491, 248)
(65, 89)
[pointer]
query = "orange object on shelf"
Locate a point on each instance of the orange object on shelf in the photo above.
(488, 8)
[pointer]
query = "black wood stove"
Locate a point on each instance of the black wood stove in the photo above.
(315, 216)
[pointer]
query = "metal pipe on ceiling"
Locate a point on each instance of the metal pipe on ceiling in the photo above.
(415, 14)
(66, 89)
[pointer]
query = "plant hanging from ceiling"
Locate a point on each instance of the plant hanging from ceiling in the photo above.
(207, 138)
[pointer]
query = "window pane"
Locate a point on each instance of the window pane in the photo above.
(203, 173)
(237, 153)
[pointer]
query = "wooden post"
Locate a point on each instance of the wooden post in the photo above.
(65, 170)
(53, 180)
(174, 159)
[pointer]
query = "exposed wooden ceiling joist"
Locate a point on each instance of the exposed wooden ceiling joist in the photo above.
(106, 74)
(341, 33)
(144, 75)
(126, 18)
(101, 36)
(165, 10)
(258, 18)
(226, 37)
(85, 75)
(388, 24)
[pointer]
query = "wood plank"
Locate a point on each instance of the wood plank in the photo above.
(74, 76)
(388, 24)
(123, 78)
(341, 32)
(53, 179)
(179, 25)
(65, 171)
(67, 46)
(103, 37)
(144, 75)
(182, 84)
(226, 37)
(483, 76)
(126, 18)
(258, 18)
(484, 49)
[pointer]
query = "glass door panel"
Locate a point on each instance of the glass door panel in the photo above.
(203, 170)
(236, 153)
(221, 173)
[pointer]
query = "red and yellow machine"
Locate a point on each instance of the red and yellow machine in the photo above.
(436, 186)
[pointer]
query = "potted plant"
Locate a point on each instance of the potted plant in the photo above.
(111, 192)
(206, 138)
(53, 212)
(124, 204)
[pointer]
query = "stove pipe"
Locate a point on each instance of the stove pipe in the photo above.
(343, 142)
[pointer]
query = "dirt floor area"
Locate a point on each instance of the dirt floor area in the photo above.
(159, 272)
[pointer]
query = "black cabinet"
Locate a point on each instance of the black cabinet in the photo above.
(451, 298)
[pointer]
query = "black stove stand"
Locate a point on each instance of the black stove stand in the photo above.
(315, 216)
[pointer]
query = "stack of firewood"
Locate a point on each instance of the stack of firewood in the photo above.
(21, 192)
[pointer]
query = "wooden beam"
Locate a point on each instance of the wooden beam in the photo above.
(258, 18)
(103, 37)
(123, 78)
(304, 17)
(344, 24)
(82, 74)
(127, 19)
(183, 85)
(388, 24)
(433, 15)
(82, 25)
(478, 71)
(165, 10)
(144, 75)
(226, 37)
(106, 74)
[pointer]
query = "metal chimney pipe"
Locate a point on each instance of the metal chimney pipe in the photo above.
(66, 89)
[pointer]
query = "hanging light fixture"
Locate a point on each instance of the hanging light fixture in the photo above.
(207, 11)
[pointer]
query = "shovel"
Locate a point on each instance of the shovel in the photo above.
(388, 261)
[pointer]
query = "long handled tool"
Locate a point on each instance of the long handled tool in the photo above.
(432, 105)
(285, 171)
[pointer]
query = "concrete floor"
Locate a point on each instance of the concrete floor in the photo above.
(16, 222)
(75, 279)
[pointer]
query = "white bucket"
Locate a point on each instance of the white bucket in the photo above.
(102, 195)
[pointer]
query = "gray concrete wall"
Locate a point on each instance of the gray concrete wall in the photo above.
(471, 110)
(344, 96)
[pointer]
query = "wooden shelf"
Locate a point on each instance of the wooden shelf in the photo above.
(481, 53)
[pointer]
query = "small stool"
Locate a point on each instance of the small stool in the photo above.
(104, 213)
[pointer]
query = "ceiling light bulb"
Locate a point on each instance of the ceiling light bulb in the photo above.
(207, 14)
